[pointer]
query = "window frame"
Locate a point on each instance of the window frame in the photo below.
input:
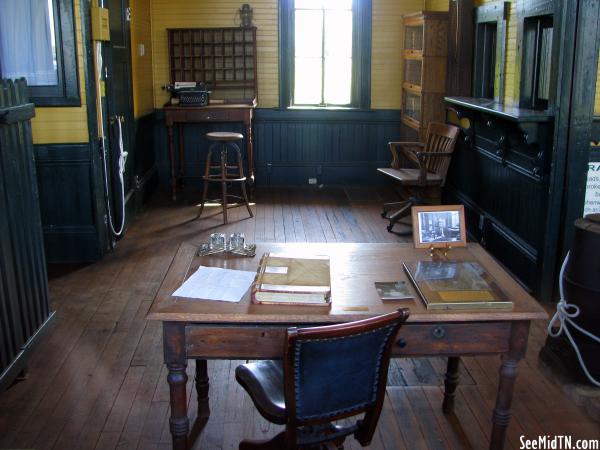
(538, 9)
(497, 14)
(66, 91)
(361, 57)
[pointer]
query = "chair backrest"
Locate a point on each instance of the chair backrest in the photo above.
(338, 371)
(441, 138)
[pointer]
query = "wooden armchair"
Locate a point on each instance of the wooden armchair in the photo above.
(422, 183)
(328, 373)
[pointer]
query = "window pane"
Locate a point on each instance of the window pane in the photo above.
(309, 4)
(309, 30)
(338, 81)
(307, 81)
(337, 4)
(545, 63)
(338, 34)
(27, 41)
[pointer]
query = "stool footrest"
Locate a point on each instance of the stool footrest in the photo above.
(215, 179)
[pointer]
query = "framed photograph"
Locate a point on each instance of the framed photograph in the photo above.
(439, 226)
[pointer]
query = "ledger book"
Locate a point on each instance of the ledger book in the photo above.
(284, 279)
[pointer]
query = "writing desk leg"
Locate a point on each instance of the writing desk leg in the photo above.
(172, 161)
(202, 387)
(508, 376)
(450, 384)
(176, 361)
(181, 144)
(179, 423)
(250, 155)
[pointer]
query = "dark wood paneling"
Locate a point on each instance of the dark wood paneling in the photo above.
(293, 145)
(501, 174)
(64, 175)
(24, 303)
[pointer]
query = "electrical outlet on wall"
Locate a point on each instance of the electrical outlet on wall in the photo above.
(312, 181)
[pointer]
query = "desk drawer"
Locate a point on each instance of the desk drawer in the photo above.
(416, 339)
(234, 342)
(207, 116)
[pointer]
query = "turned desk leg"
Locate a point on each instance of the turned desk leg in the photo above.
(172, 161)
(508, 376)
(202, 387)
(179, 423)
(450, 384)
(175, 359)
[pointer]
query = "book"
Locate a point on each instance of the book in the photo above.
(284, 279)
(395, 290)
(456, 285)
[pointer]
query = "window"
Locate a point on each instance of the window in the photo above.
(325, 53)
(37, 42)
(490, 26)
(485, 66)
(538, 33)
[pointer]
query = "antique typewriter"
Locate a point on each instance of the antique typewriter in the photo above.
(188, 93)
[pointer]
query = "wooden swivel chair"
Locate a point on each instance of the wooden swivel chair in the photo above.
(328, 373)
(422, 183)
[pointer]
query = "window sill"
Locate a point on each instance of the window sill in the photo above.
(323, 108)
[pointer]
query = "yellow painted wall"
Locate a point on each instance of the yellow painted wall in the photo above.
(437, 5)
(386, 56)
(141, 66)
(64, 124)
(204, 13)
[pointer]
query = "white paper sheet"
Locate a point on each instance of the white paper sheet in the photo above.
(214, 283)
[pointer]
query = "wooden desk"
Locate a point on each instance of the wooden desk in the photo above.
(197, 329)
(211, 113)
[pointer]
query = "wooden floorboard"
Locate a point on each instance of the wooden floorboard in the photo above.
(97, 381)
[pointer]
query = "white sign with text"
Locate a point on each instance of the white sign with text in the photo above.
(592, 192)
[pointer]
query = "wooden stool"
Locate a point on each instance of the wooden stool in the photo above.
(219, 172)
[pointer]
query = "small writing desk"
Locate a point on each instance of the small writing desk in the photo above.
(212, 113)
(201, 330)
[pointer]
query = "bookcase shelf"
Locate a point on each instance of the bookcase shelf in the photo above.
(223, 58)
(425, 58)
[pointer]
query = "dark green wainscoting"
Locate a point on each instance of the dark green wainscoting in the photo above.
(71, 192)
(67, 202)
(500, 171)
(291, 146)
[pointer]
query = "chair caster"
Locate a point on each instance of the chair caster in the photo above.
(384, 215)
(390, 227)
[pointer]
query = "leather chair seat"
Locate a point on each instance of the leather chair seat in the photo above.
(263, 380)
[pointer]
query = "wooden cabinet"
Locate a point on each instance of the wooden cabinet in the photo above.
(425, 59)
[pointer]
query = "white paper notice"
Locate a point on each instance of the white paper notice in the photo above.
(592, 193)
(214, 283)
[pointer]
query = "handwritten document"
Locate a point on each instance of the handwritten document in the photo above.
(214, 283)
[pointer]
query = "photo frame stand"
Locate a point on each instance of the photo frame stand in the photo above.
(439, 253)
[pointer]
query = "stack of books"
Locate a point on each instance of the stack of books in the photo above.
(287, 280)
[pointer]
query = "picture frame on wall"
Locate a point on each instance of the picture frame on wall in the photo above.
(439, 226)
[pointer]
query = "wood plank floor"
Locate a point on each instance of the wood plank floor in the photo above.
(98, 382)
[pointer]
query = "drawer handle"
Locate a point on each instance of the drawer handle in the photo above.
(208, 117)
(438, 332)
(401, 343)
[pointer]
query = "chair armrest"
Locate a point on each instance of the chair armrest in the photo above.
(442, 154)
(405, 148)
(407, 144)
